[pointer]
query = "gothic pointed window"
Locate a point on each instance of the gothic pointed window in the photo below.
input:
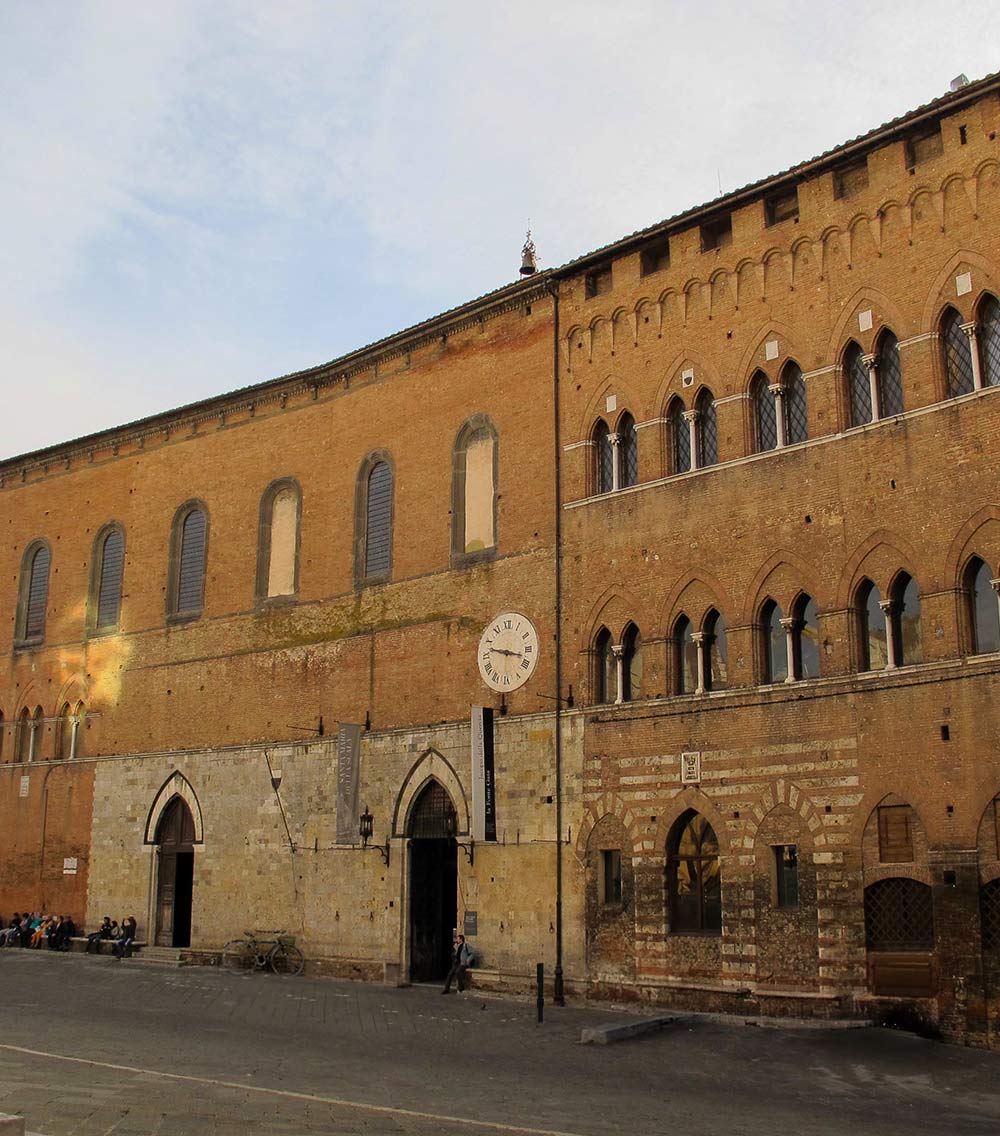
(708, 429)
(693, 878)
(873, 651)
(716, 653)
(982, 611)
(631, 664)
(188, 553)
(628, 451)
(685, 657)
(955, 346)
(605, 678)
(679, 438)
(805, 638)
(989, 340)
(774, 651)
(374, 520)
(764, 414)
(794, 404)
(34, 594)
(106, 586)
(905, 618)
(889, 374)
(604, 455)
(858, 385)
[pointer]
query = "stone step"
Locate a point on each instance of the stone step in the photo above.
(165, 956)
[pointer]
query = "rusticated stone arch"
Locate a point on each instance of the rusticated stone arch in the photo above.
(609, 917)
(610, 805)
(691, 798)
(782, 794)
(430, 766)
(782, 576)
(176, 785)
(864, 833)
(885, 313)
(893, 553)
(940, 294)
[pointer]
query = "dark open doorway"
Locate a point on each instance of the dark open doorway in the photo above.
(175, 875)
(433, 884)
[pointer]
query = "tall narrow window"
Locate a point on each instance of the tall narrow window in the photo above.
(373, 524)
(764, 414)
(605, 678)
(34, 594)
(64, 732)
(604, 454)
(22, 736)
(679, 438)
(708, 429)
(957, 354)
(774, 650)
(611, 876)
(889, 373)
(905, 613)
(859, 390)
(631, 664)
(805, 639)
(873, 651)
(189, 546)
(796, 420)
(474, 491)
(693, 880)
(786, 864)
(981, 606)
(278, 540)
(3, 734)
(628, 451)
(686, 657)
(716, 654)
(109, 567)
(989, 340)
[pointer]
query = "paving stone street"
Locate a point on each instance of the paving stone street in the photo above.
(91, 1047)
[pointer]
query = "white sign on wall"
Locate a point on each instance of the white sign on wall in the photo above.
(69, 866)
(690, 768)
(25, 782)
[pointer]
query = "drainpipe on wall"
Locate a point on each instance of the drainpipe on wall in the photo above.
(558, 994)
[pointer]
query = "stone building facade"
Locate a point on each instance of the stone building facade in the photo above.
(738, 471)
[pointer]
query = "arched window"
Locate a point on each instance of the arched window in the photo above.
(685, 657)
(374, 520)
(474, 492)
(764, 414)
(889, 373)
(859, 392)
(605, 676)
(679, 436)
(3, 734)
(188, 552)
(604, 454)
(693, 881)
(982, 612)
(278, 540)
(716, 655)
(106, 578)
(955, 347)
(64, 732)
(905, 616)
(631, 664)
(708, 429)
(33, 595)
(628, 451)
(872, 642)
(989, 340)
(794, 404)
(23, 736)
(774, 649)
(805, 638)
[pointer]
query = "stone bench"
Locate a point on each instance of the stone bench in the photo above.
(79, 943)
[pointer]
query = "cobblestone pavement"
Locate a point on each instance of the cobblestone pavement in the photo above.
(90, 1047)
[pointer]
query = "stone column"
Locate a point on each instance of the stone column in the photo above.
(74, 730)
(778, 391)
(616, 461)
(977, 373)
(618, 651)
(995, 585)
(691, 418)
(888, 607)
(788, 625)
(32, 738)
(700, 640)
(870, 361)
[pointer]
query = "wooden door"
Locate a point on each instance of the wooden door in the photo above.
(175, 837)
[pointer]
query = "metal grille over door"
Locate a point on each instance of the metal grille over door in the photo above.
(899, 916)
(433, 815)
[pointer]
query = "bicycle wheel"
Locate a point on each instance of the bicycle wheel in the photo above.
(286, 960)
(237, 955)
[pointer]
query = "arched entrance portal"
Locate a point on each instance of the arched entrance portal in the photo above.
(175, 875)
(433, 883)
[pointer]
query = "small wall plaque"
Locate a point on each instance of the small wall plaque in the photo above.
(70, 864)
(963, 284)
(611, 403)
(865, 320)
(690, 768)
(470, 923)
(771, 349)
(25, 782)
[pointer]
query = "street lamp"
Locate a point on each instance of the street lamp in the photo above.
(365, 830)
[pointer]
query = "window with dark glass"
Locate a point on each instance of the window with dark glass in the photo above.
(889, 375)
(22, 735)
(680, 438)
(686, 664)
(895, 834)
(654, 257)
(693, 879)
(597, 282)
(716, 654)
(873, 653)
(989, 340)
(981, 607)
(782, 206)
(805, 639)
(605, 676)
(796, 420)
(858, 385)
(34, 593)
(905, 612)
(110, 559)
(631, 663)
(628, 451)
(764, 413)
(957, 354)
(786, 864)
(611, 876)
(774, 649)
(191, 536)
(717, 233)
(378, 520)
(707, 429)
(605, 458)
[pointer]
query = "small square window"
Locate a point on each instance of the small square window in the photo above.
(654, 258)
(611, 876)
(849, 180)
(922, 146)
(786, 862)
(781, 207)
(598, 282)
(717, 233)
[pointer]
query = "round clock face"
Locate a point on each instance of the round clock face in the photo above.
(508, 651)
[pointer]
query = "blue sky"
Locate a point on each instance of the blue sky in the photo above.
(200, 195)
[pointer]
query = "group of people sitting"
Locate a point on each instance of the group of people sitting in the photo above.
(31, 929)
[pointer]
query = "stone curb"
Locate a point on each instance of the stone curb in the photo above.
(11, 1125)
(610, 1034)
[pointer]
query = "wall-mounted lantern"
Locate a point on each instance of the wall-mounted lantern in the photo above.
(365, 829)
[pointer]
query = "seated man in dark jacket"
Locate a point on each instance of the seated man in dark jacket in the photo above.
(102, 932)
(121, 948)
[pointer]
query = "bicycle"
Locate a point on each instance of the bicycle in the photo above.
(280, 953)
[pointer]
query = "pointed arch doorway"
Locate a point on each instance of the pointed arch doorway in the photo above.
(433, 883)
(175, 835)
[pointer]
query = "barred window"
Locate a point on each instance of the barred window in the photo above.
(957, 354)
(764, 414)
(889, 373)
(981, 607)
(680, 438)
(989, 906)
(34, 593)
(708, 429)
(109, 567)
(858, 385)
(189, 547)
(796, 420)
(989, 340)
(693, 878)
(899, 916)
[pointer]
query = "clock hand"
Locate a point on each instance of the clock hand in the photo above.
(501, 651)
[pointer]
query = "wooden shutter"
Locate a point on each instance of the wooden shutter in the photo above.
(38, 595)
(191, 567)
(895, 834)
(109, 593)
(378, 528)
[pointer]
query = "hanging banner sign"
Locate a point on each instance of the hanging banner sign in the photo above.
(484, 800)
(348, 769)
